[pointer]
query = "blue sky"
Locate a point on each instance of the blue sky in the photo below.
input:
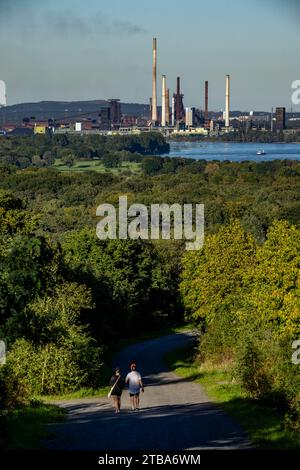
(80, 50)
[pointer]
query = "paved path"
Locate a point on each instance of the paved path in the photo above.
(175, 413)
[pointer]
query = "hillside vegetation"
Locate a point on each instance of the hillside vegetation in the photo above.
(66, 296)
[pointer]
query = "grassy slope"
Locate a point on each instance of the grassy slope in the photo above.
(26, 426)
(263, 423)
(96, 165)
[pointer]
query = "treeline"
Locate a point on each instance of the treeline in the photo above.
(42, 150)
(243, 134)
(250, 135)
(245, 298)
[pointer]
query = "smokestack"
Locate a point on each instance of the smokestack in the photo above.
(168, 107)
(272, 122)
(227, 107)
(178, 101)
(206, 122)
(173, 110)
(154, 85)
(164, 97)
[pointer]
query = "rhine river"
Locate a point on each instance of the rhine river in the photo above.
(235, 152)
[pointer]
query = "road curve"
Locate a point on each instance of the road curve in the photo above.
(175, 413)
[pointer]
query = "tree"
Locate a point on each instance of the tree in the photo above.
(151, 165)
(274, 285)
(212, 278)
(37, 161)
(68, 158)
(48, 158)
(55, 352)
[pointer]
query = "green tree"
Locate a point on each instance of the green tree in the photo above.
(212, 278)
(274, 284)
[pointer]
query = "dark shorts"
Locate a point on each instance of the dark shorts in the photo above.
(134, 394)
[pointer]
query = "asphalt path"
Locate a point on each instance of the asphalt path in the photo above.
(175, 413)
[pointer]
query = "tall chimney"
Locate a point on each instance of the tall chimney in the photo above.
(168, 107)
(173, 110)
(178, 101)
(206, 122)
(227, 105)
(154, 85)
(272, 122)
(164, 97)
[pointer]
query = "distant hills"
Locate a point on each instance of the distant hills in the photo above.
(45, 110)
(79, 110)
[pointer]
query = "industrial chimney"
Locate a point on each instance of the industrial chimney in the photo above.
(168, 107)
(178, 110)
(206, 121)
(173, 109)
(227, 104)
(154, 85)
(163, 102)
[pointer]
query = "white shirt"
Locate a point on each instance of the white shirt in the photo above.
(133, 379)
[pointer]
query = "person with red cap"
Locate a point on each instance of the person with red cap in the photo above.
(135, 384)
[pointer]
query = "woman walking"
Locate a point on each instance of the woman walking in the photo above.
(117, 384)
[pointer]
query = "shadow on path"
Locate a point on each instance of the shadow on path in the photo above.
(176, 413)
(168, 427)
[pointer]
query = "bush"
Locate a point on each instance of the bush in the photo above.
(263, 365)
(292, 417)
(15, 390)
(54, 369)
(251, 369)
(216, 342)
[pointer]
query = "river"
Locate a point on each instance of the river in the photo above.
(234, 151)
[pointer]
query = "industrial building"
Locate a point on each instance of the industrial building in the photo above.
(280, 119)
(112, 116)
(190, 114)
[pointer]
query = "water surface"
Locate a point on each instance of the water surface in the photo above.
(233, 151)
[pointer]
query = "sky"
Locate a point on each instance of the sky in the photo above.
(73, 50)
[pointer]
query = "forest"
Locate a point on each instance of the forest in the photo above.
(42, 150)
(66, 296)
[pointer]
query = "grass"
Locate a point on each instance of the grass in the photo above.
(80, 393)
(26, 426)
(262, 423)
(96, 165)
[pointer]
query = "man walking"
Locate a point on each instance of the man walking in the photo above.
(135, 384)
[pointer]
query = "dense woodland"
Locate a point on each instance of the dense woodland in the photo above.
(66, 296)
(42, 150)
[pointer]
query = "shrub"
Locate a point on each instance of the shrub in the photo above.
(251, 369)
(15, 389)
(292, 417)
(55, 369)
